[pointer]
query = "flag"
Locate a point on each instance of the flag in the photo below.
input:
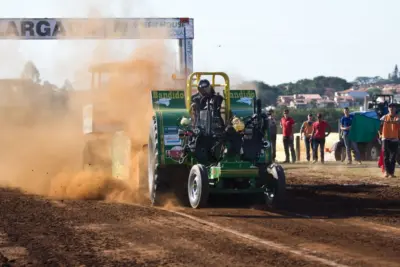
(381, 162)
(364, 128)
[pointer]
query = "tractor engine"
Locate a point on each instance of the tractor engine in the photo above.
(248, 141)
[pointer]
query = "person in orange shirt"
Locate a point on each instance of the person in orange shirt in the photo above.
(305, 134)
(389, 132)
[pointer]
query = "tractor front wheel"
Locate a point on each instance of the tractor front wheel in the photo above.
(276, 186)
(198, 186)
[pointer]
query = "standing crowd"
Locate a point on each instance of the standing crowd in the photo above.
(314, 134)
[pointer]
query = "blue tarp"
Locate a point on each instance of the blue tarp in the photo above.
(369, 114)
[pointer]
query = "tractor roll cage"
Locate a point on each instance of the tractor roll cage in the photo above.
(194, 79)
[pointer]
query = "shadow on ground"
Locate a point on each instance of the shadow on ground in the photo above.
(327, 201)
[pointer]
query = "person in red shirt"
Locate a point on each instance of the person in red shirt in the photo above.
(287, 124)
(318, 136)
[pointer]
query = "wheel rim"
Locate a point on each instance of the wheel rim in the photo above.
(194, 188)
(270, 194)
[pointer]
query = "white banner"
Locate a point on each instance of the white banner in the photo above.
(189, 55)
(101, 28)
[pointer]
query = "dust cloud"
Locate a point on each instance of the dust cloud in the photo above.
(42, 145)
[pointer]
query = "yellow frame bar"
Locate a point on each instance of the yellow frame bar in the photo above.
(197, 76)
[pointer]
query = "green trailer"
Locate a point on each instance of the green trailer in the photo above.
(195, 153)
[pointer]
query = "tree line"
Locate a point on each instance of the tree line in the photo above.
(322, 85)
(56, 97)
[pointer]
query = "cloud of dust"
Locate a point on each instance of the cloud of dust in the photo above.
(42, 148)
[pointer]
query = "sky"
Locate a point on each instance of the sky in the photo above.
(266, 40)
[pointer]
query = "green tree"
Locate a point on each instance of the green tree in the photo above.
(395, 75)
(374, 91)
(317, 85)
(31, 72)
(365, 80)
(313, 103)
(268, 94)
(67, 85)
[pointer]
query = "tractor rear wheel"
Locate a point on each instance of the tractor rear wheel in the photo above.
(95, 156)
(198, 186)
(275, 192)
(153, 169)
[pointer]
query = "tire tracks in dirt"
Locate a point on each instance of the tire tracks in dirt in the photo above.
(334, 242)
(94, 233)
(270, 244)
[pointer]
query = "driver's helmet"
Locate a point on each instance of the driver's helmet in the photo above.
(205, 88)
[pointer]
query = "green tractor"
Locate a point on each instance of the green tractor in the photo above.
(209, 140)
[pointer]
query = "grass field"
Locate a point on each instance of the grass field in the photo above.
(280, 153)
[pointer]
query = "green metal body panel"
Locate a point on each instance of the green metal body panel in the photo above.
(168, 100)
(242, 100)
(169, 108)
(233, 170)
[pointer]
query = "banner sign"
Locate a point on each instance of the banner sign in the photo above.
(96, 28)
(173, 99)
(242, 99)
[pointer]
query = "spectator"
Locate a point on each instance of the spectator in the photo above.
(305, 131)
(345, 125)
(389, 132)
(318, 136)
(287, 124)
(272, 131)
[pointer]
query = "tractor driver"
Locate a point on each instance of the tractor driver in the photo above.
(199, 101)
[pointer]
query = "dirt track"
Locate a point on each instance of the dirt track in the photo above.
(345, 220)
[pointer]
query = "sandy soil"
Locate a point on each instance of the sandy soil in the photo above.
(335, 216)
